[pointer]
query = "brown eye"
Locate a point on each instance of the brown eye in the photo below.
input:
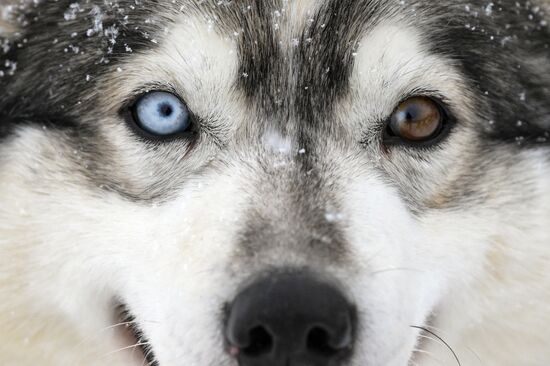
(416, 120)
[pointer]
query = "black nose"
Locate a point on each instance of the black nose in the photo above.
(290, 319)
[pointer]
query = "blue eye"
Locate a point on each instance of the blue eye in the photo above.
(162, 114)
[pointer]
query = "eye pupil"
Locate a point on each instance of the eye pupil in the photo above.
(166, 110)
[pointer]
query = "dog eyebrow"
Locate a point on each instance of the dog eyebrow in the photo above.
(270, 49)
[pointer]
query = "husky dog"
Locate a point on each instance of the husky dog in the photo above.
(275, 183)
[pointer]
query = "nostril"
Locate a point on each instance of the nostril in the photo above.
(261, 342)
(318, 341)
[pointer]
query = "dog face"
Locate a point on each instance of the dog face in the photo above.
(189, 168)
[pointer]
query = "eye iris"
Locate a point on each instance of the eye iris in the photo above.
(417, 119)
(162, 114)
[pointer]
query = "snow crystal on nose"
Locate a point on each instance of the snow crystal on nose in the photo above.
(277, 143)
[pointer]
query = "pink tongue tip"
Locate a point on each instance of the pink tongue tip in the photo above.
(234, 351)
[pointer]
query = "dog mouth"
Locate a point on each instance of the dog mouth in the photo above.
(129, 330)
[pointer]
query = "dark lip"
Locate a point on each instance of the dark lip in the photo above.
(126, 316)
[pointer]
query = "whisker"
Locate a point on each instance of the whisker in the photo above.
(147, 358)
(429, 338)
(441, 340)
(469, 349)
(128, 323)
(99, 331)
(134, 346)
(429, 354)
(140, 340)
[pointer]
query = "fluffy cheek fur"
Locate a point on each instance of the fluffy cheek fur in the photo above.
(461, 273)
(68, 253)
(490, 257)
